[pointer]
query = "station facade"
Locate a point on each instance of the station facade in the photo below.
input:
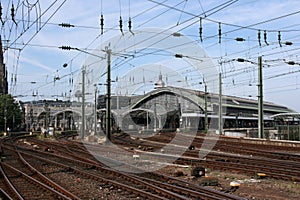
(165, 108)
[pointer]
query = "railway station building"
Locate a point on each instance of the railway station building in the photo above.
(167, 108)
(172, 108)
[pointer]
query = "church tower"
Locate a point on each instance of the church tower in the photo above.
(160, 83)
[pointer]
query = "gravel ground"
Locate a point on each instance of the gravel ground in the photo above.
(250, 187)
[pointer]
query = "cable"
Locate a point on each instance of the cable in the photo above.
(219, 7)
(36, 21)
(142, 12)
(162, 33)
(181, 12)
(160, 14)
(199, 1)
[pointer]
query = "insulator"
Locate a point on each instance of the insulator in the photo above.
(259, 37)
(291, 63)
(65, 47)
(176, 34)
(13, 14)
(239, 39)
(66, 25)
(129, 24)
(288, 43)
(220, 32)
(121, 24)
(1, 14)
(240, 60)
(279, 39)
(265, 37)
(102, 23)
(200, 30)
(178, 55)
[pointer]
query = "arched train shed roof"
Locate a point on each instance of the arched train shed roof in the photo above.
(198, 97)
(286, 116)
(192, 95)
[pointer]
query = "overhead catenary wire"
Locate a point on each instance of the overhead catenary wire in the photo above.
(137, 15)
(44, 24)
(20, 35)
(161, 32)
(269, 41)
(219, 34)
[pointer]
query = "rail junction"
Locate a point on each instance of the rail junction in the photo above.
(34, 168)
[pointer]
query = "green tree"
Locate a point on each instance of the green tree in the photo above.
(11, 114)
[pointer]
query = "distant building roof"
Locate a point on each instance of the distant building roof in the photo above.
(286, 116)
(231, 102)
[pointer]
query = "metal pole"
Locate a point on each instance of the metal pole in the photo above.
(118, 101)
(155, 117)
(220, 105)
(288, 129)
(148, 121)
(205, 110)
(46, 115)
(83, 103)
(108, 97)
(95, 111)
(260, 100)
(299, 129)
(5, 110)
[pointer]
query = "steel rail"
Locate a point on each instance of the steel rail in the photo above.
(36, 182)
(10, 185)
(160, 191)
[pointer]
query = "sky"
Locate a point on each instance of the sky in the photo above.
(36, 65)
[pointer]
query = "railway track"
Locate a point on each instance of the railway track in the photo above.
(191, 189)
(127, 185)
(19, 171)
(29, 187)
(7, 189)
(229, 156)
(85, 172)
(70, 166)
